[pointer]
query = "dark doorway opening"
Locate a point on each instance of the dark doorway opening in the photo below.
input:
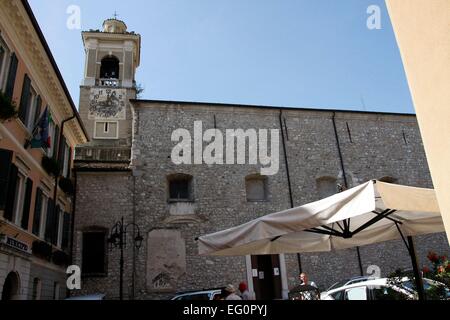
(11, 287)
(266, 277)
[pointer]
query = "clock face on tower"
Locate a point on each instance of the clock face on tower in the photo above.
(107, 103)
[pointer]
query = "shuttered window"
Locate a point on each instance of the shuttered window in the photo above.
(27, 204)
(25, 99)
(67, 161)
(55, 232)
(65, 231)
(12, 73)
(55, 143)
(37, 213)
(5, 168)
(3, 61)
(62, 152)
(49, 221)
(93, 255)
(37, 112)
(11, 193)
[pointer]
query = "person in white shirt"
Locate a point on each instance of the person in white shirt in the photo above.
(245, 294)
(305, 281)
(231, 293)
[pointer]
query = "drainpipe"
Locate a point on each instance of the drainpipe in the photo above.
(55, 192)
(57, 151)
(72, 224)
(133, 274)
(338, 144)
(286, 162)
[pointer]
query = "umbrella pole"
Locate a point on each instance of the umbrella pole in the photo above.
(360, 262)
(417, 275)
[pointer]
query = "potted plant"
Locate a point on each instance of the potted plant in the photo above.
(66, 185)
(440, 269)
(7, 108)
(50, 166)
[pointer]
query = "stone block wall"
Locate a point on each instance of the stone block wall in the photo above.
(373, 146)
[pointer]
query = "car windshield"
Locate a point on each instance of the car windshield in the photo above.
(338, 284)
(347, 282)
(428, 286)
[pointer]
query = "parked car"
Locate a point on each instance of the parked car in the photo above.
(377, 289)
(99, 296)
(349, 281)
(205, 294)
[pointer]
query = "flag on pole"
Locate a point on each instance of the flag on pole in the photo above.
(41, 137)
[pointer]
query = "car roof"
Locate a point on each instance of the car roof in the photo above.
(99, 296)
(371, 282)
(199, 291)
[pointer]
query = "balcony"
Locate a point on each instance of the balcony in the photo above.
(103, 82)
(103, 154)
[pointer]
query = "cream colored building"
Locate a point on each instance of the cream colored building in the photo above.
(35, 212)
(422, 29)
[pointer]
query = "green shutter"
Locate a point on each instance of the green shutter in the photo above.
(25, 99)
(11, 193)
(55, 143)
(56, 226)
(5, 168)
(27, 204)
(12, 73)
(61, 153)
(66, 231)
(37, 112)
(37, 213)
(49, 221)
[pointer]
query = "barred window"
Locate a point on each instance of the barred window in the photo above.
(180, 187)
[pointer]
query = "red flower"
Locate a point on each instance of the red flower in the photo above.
(441, 269)
(433, 257)
(448, 268)
(426, 270)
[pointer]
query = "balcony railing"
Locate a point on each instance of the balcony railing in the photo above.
(108, 82)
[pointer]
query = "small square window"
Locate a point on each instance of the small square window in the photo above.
(256, 188)
(180, 188)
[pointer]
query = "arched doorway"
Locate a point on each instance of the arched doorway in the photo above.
(11, 287)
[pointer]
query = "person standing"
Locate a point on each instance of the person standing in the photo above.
(230, 292)
(245, 294)
(304, 280)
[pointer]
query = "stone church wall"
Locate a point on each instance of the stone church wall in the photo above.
(373, 146)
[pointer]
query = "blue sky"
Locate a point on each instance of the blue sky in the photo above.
(299, 53)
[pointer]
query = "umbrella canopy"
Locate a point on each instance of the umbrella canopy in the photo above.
(372, 212)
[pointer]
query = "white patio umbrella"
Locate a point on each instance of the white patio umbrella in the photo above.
(372, 212)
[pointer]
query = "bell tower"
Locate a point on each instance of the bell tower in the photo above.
(112, 56)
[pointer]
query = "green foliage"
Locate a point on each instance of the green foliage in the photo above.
(7, 108)
(67, 186)
(438, 288)
(139, 90)
(51, 166)
(42, 249)
(440, 270)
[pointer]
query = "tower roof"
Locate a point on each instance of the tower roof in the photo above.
(114, 25)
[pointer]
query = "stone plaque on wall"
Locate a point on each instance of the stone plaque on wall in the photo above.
(166, 260)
